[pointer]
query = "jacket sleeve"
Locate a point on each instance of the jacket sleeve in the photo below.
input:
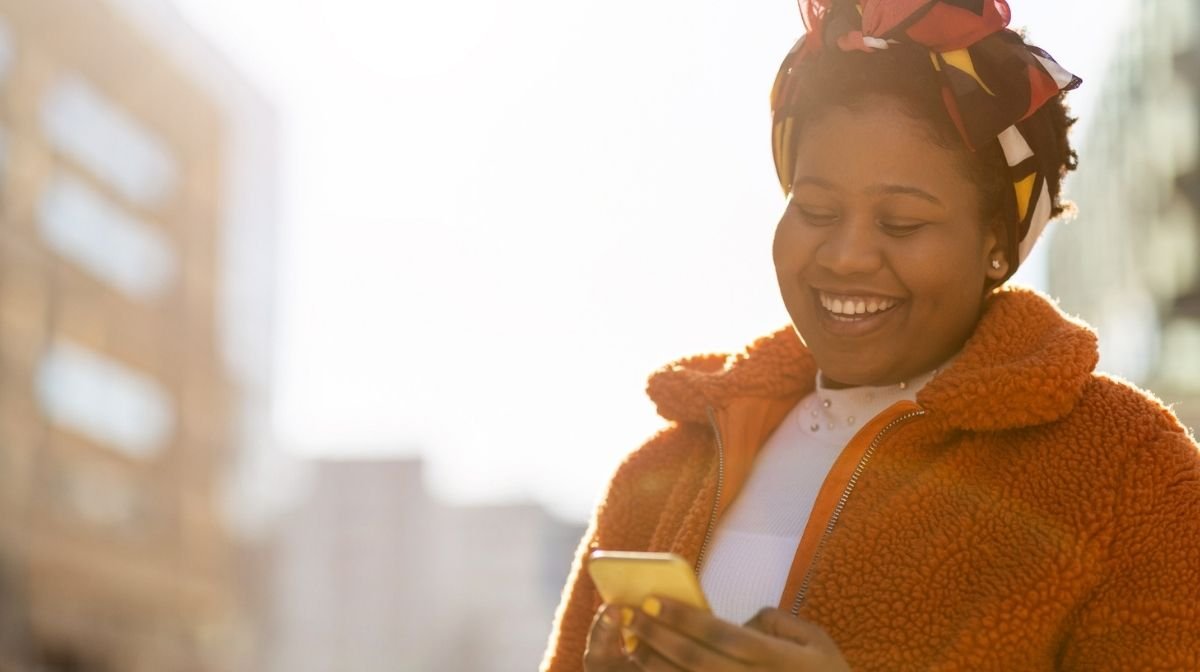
(1145, 613)
(625, 519)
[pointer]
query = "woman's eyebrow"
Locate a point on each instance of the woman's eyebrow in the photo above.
(902, 190)
(886, 189)
(813, 181)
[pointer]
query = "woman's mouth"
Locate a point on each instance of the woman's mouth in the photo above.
(854, 314)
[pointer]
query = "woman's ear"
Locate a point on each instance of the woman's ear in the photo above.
(996, 248)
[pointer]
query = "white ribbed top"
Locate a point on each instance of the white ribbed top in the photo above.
(755, 540)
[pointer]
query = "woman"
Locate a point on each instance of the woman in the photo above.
(923, 471)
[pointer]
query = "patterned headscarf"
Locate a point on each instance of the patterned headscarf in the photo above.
(991, 81)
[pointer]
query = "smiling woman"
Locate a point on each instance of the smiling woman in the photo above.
(922, 471)
(856, 251)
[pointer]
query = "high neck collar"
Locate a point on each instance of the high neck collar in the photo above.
(1026, 364)
(834, 415)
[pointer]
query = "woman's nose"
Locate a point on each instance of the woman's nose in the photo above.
(851, 247)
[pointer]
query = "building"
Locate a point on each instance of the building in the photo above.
(132, 333)
(370, 573)
(1130, 263)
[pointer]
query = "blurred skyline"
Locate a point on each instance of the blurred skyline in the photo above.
(498, 219)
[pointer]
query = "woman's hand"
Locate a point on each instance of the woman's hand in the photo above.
(604, 652)
(679, 637)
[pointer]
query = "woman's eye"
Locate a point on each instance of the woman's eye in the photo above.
(816, 215)
(900, 228)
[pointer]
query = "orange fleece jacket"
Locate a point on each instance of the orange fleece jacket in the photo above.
(1035, 516)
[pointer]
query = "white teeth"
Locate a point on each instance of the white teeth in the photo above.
(852, 307)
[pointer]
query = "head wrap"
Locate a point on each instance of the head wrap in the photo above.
(991, 81)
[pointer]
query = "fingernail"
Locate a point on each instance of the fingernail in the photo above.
(630, 640)
(652, 606)
(627, 635)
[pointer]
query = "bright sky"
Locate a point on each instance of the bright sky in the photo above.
(500, 217)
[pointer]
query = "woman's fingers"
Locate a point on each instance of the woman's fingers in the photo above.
(705, 630)
(778, 623)
(813, 642)
(673, 636)
(662, 648)
(647, 659)
(603, 651)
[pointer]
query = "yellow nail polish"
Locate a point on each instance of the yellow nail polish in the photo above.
(652, 606)
(630, 641)
(627, 635)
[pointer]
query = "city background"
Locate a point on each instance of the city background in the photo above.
(322, 325)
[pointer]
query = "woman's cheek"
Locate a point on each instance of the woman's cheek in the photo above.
(790, 244)
(779, 245)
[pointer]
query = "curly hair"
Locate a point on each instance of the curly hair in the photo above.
(834, 78)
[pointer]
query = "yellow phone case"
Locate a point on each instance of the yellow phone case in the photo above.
(628, 578)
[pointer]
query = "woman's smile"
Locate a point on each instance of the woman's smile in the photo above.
(854, 314)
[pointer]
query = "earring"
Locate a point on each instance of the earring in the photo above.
(996, 264)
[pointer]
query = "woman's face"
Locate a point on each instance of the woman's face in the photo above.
(881, 256)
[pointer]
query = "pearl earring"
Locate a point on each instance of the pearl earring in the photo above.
(996, 264)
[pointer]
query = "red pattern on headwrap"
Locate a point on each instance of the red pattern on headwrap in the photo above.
(939, 26)
(1021, 84)
(947, 27)
(1042, 87)
(952, 109)
(880, 18)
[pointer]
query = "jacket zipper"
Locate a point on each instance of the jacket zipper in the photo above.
(841, 504)
(712, 519)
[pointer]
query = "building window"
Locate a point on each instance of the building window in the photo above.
(84, 227)
(82, 124)
(8, 51)
(104, 400)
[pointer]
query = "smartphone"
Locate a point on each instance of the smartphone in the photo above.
(627, 577)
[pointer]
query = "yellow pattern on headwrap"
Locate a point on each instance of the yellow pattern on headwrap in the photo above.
(1024, 190)
(777, 150)
(961, 59)
(789, 168)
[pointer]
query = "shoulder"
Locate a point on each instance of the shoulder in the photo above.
(650, 484)
(1134, 423)
(651, 471)
(669, 450)
(1128, 405)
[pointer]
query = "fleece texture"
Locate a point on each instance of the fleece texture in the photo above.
(1037, 516)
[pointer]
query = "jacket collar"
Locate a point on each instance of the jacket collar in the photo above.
(1026, 364)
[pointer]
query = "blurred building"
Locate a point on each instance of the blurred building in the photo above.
(372, 574)
(136, 275)
(1130, 263)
